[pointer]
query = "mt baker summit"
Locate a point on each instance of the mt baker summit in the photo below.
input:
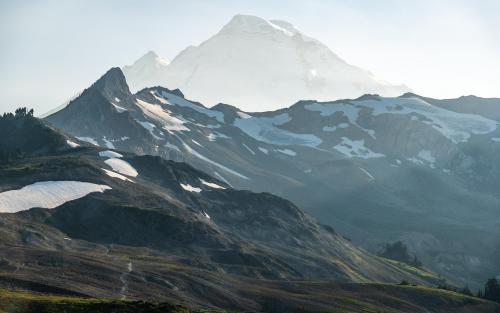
(257, 64)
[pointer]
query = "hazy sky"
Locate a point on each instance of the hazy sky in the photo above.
(49, 50)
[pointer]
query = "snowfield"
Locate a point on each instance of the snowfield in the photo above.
(72, 144)
(150, 127)
(110, 154)
(179, 101)
(116, 175)
(162, 116)
(265, 129)
(356, 148)
(122, 167)
(458, 127)
(118, 108)
(46, 194)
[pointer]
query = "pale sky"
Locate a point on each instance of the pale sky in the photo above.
(50, 50)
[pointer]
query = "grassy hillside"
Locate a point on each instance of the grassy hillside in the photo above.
(12, 301)
(351, 298)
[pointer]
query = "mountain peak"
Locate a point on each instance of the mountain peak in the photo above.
(143, 72)
(150, 54)
(254, 24)
(409, 95)
(112, 84)
(151, 57)
(259, 64)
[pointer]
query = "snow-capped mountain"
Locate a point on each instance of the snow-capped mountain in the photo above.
(146, 71)
(258, 65)
(376, 168)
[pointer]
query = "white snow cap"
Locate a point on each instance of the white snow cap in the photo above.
(255, 24)
(250, 52)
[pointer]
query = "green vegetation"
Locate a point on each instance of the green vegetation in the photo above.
(18, 301)
(465, 291)
(419, 271)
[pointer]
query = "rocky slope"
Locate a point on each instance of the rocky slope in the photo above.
(98, 222)
(377, 169)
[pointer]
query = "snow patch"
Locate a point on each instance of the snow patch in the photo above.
(72, 144)
(179, 101)
(243, 115)
(265, 129)
(110, 154)
(424, 157)
(150, 127)
(347, 109)
(212, 185)
(213, 136)
(370, 176)
(116, 175)
(334, 128)
(46, 194)
(196, 143)
(263, 150)
(88, 139)
(118, 108)
(204, 158)
(172, 146)
(190, 188)
(356, 148)
(248, 148)
(158, 113)
(495, 139)
(287, 152)
(108, 143)
(458, 127)
(121, 167)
